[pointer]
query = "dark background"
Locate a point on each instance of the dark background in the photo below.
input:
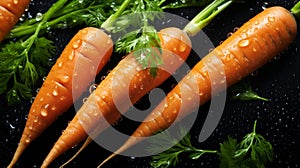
(278, 119)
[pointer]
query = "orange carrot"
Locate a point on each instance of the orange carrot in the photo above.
(253, 45)
(100, 105)
(10, 12)
(89, 49)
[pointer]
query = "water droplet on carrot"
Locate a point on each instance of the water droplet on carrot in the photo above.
(44, 112)
(182, 47)
(30, 127)
(108, 42)
(84, 100)
(142, 87)
(229, 34)
(35, 120)
(60, 64)
(174, 49)
(71, 56)
(55, 91)
(84, 31)
(254, 49)
(27, 140)
(102, 78)
(62, 98)
(92, 87)
(65, 79)
(271, 18)
(53, 108)
(15, 2)
(76, 44)
(244, 43)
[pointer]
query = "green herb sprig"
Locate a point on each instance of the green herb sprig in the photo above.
(253, 151)
(243, 91)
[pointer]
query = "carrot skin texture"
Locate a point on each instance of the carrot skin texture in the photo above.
(10, 12)
(100, 106)
(250, 47)
(89, 49)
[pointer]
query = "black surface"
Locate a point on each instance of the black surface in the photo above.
(278, 119)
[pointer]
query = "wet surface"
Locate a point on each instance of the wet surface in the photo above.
(278, 119)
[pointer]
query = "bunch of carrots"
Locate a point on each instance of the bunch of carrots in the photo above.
(249, 48)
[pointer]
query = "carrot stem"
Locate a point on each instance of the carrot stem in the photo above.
(296, 10)
(206, 16)
(108, 23)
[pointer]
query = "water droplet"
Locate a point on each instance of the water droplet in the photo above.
(65, 79)
(62, 98)
(244, 43)
(182, 47)
(84, 31)
(76, 44)
(235, 29)
(15, 2)
(102, 78)
(254, 49)
(71, 56)
(166, 105)
(142, 87)
(60, 64)
(39, 16)
(44, 112)
(27, 140)
(174, 49)
(35, 120)
(30, 127)
(108, 42)
(55, 91)
(37, 90)
(93, 87)
(271, 18)
(32, 99)
(44, 78)
(53, 108)
(84, 100)
(229, 34)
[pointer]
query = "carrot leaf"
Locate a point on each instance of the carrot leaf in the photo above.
(243, 91)
(253, 151)
(170, 157)
(296, 10)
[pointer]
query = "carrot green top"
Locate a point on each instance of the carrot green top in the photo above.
(296, 10)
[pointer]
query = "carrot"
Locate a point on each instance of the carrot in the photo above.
(58, 92)
(100, 105)
(101, 108)
(253, 45)
(10, 12)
